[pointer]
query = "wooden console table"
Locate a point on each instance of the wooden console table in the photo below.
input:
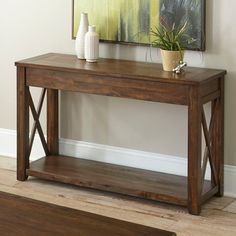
(126, 79)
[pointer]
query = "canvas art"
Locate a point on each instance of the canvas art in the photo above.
(130, 21)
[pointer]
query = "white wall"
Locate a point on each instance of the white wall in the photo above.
(29, 28)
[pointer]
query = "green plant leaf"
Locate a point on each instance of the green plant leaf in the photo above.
(171, 38)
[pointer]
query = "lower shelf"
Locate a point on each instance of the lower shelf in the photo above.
(113, 178)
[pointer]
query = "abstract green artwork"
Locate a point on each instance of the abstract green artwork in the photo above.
(130, 21)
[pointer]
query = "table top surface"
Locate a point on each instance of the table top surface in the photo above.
(121, 69)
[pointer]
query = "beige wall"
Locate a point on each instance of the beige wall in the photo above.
(28, 28)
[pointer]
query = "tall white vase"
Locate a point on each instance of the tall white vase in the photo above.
(91, 45)
(83, 29)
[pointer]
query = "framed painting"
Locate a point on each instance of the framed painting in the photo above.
(130, 21)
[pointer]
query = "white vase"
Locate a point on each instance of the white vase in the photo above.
(91, 45)
(83, 29)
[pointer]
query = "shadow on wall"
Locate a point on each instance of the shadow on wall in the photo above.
(230, 118)
(220, 55)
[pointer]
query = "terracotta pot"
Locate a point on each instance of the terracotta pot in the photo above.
(171, 59)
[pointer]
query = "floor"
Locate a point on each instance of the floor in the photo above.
(218, 217)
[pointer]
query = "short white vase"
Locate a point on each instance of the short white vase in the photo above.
(91, 45)
(83, 29)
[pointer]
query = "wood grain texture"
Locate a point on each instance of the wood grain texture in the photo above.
(34, 126)
(22, 216)
(113, 178)
(52, 121)
(217, 218)
(38, 125)
(136, 80)
(194, 151)
(22, 124)
(121, 68)
(218, 139)
(108, 85)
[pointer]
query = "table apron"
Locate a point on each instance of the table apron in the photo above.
(109, 86)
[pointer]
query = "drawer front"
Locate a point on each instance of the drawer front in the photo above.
(108, 85)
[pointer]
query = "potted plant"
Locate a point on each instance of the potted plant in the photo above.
(171, 41)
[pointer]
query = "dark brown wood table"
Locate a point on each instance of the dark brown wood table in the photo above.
(126, 79)
(21, 216)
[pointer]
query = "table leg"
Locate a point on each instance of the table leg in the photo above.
(194, 151)
(22, 125)
(52, 121)
(218, 140)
